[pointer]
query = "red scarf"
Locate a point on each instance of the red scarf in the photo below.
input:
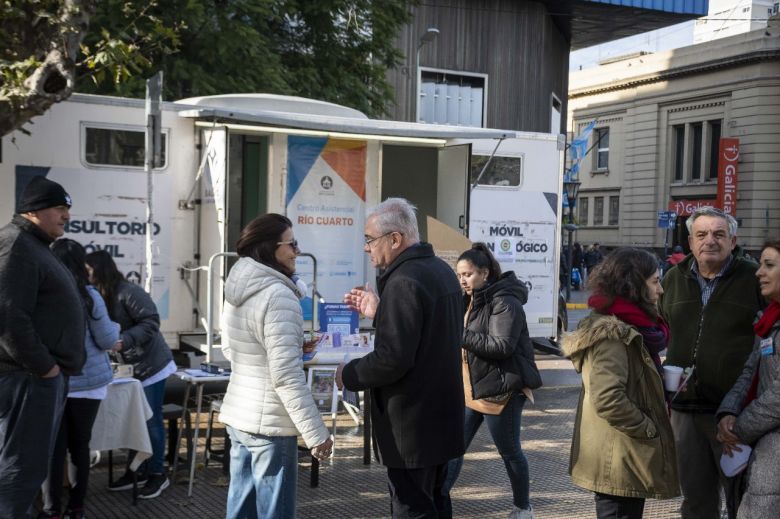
(768, 319)
(762, 328)
(626, 311)
(655, 333)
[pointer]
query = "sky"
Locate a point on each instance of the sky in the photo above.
(672, 37)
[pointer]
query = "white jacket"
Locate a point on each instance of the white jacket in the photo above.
(262, 335)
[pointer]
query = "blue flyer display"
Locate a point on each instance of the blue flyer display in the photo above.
(338, 318)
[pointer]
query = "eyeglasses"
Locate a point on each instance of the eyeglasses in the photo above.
(369, 240)
(294, 243)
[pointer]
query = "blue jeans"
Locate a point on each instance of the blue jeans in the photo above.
(156, 427)
(263, 476)
(505, 430)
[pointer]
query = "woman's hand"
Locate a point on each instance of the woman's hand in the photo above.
(323, 450)
(310, 345)
(725, 434)
(117, 346)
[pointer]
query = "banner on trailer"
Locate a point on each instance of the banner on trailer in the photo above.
(326, 197)
(109, 213)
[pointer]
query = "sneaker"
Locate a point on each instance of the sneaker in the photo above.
(126, 482)
(77, 513)
(154, 487)
(521, 513)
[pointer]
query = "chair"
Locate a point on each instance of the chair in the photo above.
(223, 454)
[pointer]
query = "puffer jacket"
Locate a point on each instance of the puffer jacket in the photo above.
(623, 443)
(143, 345)
(262, 335)
(758, 424)
(102, 334)
(496, 338)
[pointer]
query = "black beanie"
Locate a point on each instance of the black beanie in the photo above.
(42, 193)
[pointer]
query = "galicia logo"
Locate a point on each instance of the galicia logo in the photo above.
(326, 182)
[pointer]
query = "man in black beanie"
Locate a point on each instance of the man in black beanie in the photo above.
(42, 326)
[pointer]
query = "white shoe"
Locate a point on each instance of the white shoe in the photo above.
(520, 513)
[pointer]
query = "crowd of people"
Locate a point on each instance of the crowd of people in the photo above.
(451, 352)
(61, 311)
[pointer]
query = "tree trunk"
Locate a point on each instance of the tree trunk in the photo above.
(54, 79)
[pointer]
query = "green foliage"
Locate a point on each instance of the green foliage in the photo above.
(334, 50)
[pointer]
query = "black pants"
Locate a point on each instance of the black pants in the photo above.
(618, 507)
(30, 411)
(74, 435)
(419, 493)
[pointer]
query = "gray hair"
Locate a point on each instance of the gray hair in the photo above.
(396, 214)
(711, 211)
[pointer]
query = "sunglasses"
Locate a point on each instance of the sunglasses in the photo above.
(294, 243)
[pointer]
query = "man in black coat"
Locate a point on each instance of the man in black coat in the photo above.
(414, 371)
(42, 326)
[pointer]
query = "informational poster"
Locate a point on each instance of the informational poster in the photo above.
(521, 240)
(109, 213)
(326, 196)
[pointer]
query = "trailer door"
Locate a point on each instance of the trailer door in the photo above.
(452, 186)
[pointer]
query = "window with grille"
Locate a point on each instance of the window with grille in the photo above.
(583, 203)
(614, 210)
(695, 148)
(598, 210)
(451, 98)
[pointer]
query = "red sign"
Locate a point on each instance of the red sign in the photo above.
(686, 207)
(728, 157)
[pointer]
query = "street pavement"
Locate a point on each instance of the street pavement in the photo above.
(349, 489)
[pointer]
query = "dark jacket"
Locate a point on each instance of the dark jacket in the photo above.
(496, 338)
(143, 345)
(758, 424)
(622, 443)
(414, 372)
(41, 312)
(718, 338)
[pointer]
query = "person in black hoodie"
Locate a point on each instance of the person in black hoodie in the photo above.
(41, 341)
(498, 366)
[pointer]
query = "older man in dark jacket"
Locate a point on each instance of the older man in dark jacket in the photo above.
(414, 371)
(41, 341)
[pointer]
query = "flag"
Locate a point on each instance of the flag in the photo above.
(579, 145)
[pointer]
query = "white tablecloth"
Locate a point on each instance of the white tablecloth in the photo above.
(121, 421)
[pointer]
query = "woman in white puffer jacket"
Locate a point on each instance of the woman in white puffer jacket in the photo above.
(268, 402)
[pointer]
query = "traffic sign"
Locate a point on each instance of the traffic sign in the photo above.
(667, 219)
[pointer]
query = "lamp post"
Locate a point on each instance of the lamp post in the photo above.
(571, 186)
(428, 36)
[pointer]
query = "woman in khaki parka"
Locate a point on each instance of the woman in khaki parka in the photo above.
(623, 447)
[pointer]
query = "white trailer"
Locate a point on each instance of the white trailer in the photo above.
(229, 158)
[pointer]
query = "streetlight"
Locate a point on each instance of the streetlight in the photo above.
(428, 36)
(571, 186)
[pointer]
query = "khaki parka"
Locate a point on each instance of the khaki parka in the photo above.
(623, 443)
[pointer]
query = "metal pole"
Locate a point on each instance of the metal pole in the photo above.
(210, 302)
(570, 253)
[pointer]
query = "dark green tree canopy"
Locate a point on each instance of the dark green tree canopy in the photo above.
(333, 50)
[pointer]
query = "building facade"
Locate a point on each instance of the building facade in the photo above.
(504, 63)
(655, 146)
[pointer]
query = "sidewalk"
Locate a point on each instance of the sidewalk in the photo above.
(349, 489)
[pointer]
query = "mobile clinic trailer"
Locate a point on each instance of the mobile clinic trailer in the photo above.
(229, 158)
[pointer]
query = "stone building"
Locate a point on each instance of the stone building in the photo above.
(655, 146)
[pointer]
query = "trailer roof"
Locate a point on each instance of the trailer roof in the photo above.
(337, 124)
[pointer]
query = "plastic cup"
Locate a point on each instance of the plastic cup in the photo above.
(672, 377)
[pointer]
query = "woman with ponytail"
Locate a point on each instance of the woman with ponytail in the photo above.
(85, 391)
(750, 412)
(622, 447)
(498, 366)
